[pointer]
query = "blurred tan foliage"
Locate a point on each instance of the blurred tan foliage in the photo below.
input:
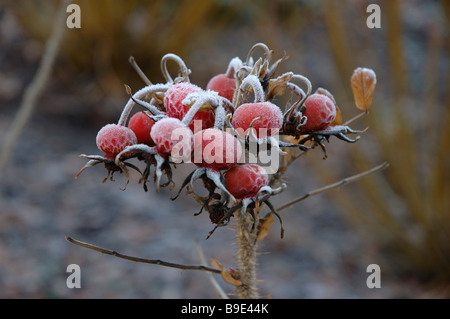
(405, 210)
(112, 31)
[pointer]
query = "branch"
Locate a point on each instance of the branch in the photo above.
(141, 260)
(342, 182)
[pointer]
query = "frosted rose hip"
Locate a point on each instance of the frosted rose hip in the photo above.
(170, 134)
(320, 112)
(141, 125)
(216, 149)
(113, 138)
(175, 108)
(246, 180)
(222, 84)
(269, 123)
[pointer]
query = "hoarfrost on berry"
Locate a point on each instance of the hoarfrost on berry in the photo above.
(216, 149)
(173, 102)
(223, 85)
(113, 138)
(167, 133)
(320, 112)
(270, 118)
(246, 180)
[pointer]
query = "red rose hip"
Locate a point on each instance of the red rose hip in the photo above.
(270, 118)
(172, 137)
(141, 125)
(113, 138)
(246, 180)
(222, 84)
(320, 112)
(175, 108)
(216, 149)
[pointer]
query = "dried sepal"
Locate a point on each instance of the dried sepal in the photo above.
(275, 65)
(256, 67)
(90, 163)
(363, 83)
(274, 212)
(278, 86)
(111, 167)
(263, 69)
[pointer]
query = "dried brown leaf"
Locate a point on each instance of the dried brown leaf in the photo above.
(227, 276)
(363, 83)
(216, 264)
(264, 226)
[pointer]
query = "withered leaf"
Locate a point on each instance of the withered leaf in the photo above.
(226, 275)
(264, 226)
(363, 83)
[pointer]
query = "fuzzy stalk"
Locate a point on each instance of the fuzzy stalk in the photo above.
(246, 255)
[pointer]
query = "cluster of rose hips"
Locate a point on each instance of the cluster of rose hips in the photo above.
(216, 129)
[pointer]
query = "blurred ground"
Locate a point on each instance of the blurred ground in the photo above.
(321, 256)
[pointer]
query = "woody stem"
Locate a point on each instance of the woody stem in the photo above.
(246, 256)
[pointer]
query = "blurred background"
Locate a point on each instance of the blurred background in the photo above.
(398, 218)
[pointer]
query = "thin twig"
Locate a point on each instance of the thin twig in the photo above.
(356, 117)
(211, 278)
(142, 260)
(139, 71)
(37, 84)
(342, 182)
